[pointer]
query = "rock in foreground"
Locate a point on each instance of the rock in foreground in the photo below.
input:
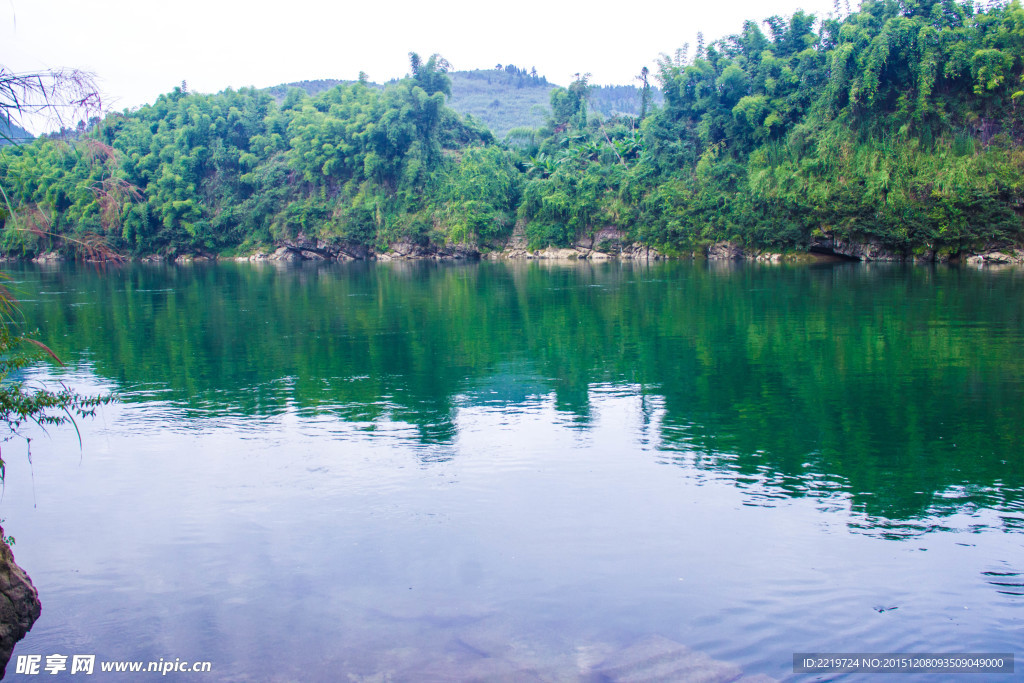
(19, 604)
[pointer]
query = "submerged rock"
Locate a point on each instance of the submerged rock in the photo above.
(659, 659)
(19, 604)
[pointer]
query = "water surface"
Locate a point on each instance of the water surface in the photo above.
(421, 471)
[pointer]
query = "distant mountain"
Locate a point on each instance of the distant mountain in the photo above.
(505, 98)
(512, 98)
(502, 100)
(11, 133)
(279, 92)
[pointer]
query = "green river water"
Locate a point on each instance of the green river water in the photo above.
(525, 471)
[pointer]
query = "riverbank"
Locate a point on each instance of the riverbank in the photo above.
(608, 244)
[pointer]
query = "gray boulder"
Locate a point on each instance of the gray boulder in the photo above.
(19, 604)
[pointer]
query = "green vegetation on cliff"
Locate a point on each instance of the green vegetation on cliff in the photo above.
(902, 123)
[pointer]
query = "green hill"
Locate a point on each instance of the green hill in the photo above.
(500, 99)
(514, 98)
(503, 99)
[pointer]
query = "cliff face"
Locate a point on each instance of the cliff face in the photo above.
(19, 604)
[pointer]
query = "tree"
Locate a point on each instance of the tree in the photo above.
(569, 105)
(645, 92)
(431, 75)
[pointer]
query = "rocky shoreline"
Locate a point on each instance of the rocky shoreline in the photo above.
(608, 244)
(19, 603)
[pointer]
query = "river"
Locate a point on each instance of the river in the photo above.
(524, 471)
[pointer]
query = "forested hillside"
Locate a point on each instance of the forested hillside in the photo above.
(901, 124)
(209, 173)
(503, 98)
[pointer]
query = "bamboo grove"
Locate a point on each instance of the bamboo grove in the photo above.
(901, 123)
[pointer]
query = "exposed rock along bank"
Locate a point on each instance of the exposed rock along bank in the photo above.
(826, 245)
(997, 254)
(19, 604)
(874, 250)
(608, 244)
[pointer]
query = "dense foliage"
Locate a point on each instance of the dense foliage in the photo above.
(901, 123)
(209, 173)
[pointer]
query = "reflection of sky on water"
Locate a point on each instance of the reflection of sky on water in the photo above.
(283, 535)
(280, 536)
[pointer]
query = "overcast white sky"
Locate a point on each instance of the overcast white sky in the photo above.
(139, 49)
